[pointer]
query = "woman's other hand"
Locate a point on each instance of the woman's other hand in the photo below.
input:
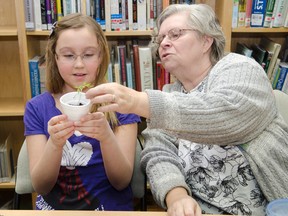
(181, 204)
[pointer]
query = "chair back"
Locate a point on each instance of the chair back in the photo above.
(282, 103)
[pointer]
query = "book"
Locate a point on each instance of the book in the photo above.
(285, 84)
(6, 159)
(283, 67)
(34, 76)
(29, 15)
(242, 49)
(273, 50)
(48, 14)
(37, 15)
(275, 74)
(146, 68)
(235, 10)
(121, 53)
(107, 15)
(258, 13)
(241, 13)
(259, 54)
(116, 16)
(280, 10)
(268, 13)
(43, 15)
(135, 48)
(135, 16)
(142, 14)
(59, 9)
(248, 11)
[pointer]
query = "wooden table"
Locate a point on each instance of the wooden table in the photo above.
(81, 213)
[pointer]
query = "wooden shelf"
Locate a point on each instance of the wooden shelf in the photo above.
(8, 185)
(12, 107)
(259, 30)
(8, 31)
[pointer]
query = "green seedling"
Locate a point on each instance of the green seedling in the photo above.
(80, 89)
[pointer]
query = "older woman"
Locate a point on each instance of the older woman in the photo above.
(214, 140)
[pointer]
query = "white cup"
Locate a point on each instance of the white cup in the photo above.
(75, 105)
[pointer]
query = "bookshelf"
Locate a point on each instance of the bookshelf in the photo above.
(18, 46)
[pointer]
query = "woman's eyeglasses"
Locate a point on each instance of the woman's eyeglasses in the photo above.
(71, 58)
(173, 34)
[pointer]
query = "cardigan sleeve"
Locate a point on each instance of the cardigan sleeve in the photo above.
(235, 106)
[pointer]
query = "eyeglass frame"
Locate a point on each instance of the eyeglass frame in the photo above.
(181, 32)
(74, 57)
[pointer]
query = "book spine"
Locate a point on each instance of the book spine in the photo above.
(268, 13)
(282, 76)
(258, 13)
(122, 64)
(137, 67)
(241, 13)
(248, 13)
(29, 15)
(116, 16)
(53, 11)
(146, 68)
(59, 10)
(135, 16)
(130, 15)
(34, 77)
(280, 13)
(107, 15)
(285, 84)
(141, 14)
(43, 15)
(48, 14)
(235, 13)
(37, 15)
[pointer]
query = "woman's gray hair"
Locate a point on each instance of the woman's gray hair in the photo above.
(203, 20)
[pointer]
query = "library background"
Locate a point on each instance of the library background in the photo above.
(256, 28)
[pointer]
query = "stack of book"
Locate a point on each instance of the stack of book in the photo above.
(6, 159)
(267, 54)
(260, 13)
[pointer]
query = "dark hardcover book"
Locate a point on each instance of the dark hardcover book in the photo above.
(137, 67)
(121, 49)
(259, 54)
(43, 15)
(48, 14)
(242, 49)
(34, 76)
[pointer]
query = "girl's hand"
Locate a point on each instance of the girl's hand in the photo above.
(60, 129)
(94, 125)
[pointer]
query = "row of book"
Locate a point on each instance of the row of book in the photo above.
(260, 13)
(6, 159)
(274, 61)
(131, 64)
(112, 15)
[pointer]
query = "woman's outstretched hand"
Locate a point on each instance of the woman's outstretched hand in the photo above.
(119, 98)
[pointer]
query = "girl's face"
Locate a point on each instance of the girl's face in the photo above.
(78, 57)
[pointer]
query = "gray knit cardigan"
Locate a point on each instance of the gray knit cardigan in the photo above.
(235, 107)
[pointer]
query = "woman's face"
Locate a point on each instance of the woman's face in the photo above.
(77, 57)
(183, 52)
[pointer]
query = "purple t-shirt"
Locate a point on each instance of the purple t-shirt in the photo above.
(82, 182)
